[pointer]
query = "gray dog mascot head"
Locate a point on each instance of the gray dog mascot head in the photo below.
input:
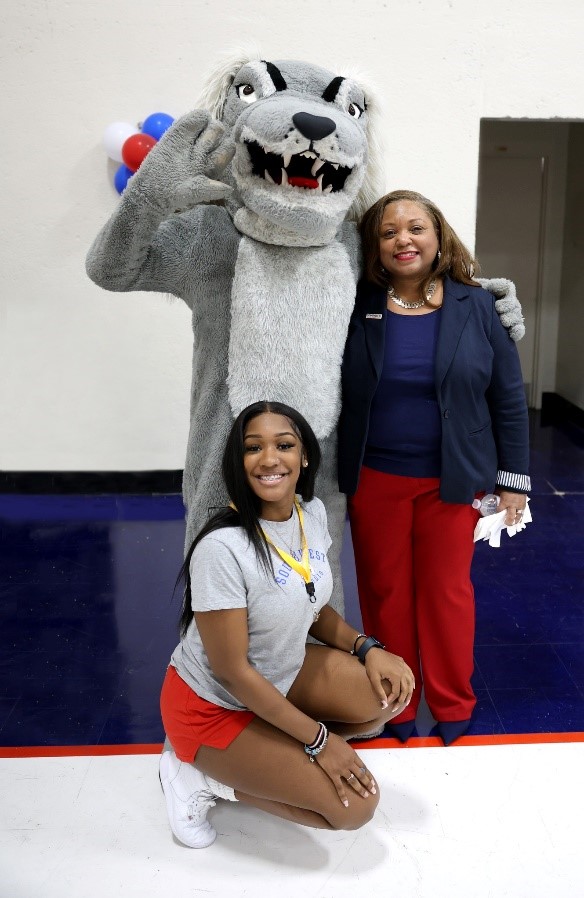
(305, 148)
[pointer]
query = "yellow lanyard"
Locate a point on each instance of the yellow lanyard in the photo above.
(301, 567)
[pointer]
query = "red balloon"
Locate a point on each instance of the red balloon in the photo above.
(135, 150)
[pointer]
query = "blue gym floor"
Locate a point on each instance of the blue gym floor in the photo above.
(88, 618)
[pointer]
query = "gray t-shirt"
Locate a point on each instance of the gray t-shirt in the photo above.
(226, 573)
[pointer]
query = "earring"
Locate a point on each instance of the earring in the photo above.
(439, 255)
(304, 463)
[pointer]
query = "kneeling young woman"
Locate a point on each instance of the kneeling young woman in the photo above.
(253, 713)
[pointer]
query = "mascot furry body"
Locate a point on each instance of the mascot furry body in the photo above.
(267, 258)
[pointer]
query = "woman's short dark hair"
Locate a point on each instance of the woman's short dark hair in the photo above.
(247, 509)
(455, 260)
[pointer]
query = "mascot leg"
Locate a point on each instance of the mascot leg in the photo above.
(203, 488)
(336, 508)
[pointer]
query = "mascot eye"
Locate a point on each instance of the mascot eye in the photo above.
(354, 110)
(246, 93)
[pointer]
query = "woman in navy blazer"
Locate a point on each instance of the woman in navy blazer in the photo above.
(433, 415)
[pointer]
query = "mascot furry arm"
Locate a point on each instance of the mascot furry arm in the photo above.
(246, 210)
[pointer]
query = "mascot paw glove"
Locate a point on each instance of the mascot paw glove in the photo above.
(507, 305)
(181, 170)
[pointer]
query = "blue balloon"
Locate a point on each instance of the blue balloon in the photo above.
(121, 178)
(156, 124)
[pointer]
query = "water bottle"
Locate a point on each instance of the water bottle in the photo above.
(487, 505)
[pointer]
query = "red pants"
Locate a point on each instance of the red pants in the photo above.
(413, 554)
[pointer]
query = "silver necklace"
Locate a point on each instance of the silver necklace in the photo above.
(412, 305)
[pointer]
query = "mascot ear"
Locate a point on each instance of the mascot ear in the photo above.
(375, 181)
(217, 83)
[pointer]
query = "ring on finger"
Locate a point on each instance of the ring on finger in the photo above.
(350, 777)
(362, 770)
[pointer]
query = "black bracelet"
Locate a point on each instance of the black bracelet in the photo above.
(319, 737)
(358, 637)
(319, 743)
(370, 643)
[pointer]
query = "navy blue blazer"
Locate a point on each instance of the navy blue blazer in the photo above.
(478, 384)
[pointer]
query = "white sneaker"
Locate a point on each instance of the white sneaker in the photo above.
(188, 800)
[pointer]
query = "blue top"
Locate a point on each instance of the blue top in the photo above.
(478, 384)
(405, 428)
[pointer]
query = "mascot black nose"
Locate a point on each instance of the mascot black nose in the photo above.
(314, 127)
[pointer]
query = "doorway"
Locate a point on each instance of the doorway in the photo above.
(509, 240)
(529, 177)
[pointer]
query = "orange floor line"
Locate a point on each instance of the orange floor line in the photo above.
(502, 739)
(81, 751)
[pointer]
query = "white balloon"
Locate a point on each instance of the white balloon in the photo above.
(115, 136)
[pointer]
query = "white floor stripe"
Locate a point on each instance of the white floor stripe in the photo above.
(465, 822)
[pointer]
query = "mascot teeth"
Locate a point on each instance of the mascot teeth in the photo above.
(297, 170)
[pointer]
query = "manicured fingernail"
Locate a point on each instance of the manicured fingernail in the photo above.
(373, 790)
(346, 803)
(384, 704)
(373, 784)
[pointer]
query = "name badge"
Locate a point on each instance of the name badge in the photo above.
(375, 315)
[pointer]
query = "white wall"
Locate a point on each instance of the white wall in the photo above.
(97, 381)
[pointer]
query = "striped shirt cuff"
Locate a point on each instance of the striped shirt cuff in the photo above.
(517, 483)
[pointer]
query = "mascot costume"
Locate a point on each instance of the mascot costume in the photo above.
(246, 209)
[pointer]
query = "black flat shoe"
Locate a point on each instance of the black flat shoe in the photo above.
(450, 730)
(401, 731)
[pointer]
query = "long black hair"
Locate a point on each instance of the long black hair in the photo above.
(247, 505)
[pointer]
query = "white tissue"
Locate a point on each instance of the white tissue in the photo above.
(491, 526)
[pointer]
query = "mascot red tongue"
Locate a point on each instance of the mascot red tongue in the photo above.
(311, 183)
(266, 259)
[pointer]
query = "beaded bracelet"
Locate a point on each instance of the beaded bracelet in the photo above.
(319, 743)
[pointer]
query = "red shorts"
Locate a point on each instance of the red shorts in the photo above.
(190, 721)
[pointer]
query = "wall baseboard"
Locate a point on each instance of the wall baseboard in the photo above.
(91, 482)
(557, 410)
